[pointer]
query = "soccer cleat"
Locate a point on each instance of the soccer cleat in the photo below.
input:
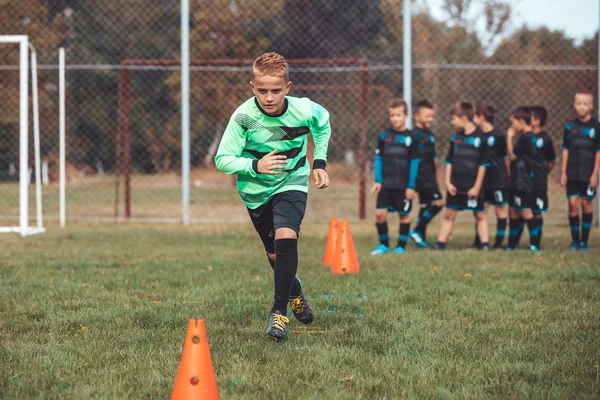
(583, 247)
(277, 329)
(301, 309)
(381, 249)
(399, 250)
(438, 247)
(484, 247)
(418, 238)
(534, 248)
(574, 246)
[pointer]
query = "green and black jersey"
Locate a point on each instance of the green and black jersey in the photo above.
(252, 133)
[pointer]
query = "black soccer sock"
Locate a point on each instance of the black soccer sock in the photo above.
(440, 245)
(286, 251)
(540, 222)
(574, 224)
(586, 225)
(296, 286)
(425, 216)
(403, 236)
(532, 226)
(513, 233)
(477, 241)
(521, 227)
(382, 231)
(500, 231)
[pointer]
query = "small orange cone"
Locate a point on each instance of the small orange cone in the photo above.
(345, 260)
(332, 238)
(195, 376)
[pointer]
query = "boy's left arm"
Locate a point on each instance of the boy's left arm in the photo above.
(484, 163)
(321, 131)
(594, 178)
(550, 155)
(413, 170)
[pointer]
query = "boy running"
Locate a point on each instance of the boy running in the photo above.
(580, 165)
(466, 165)
(427, 185)
(396, 168)
(265, 145)
(495, 184)
(521, 185)
(544, 158)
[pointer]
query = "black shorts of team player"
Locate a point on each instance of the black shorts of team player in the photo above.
(496, 197)
(521, 200)
(581, 189)
(283, 210)
(394, 200)
(539, 202)
(462, 202)
(429, 195)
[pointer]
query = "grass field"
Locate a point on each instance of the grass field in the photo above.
(100, 311)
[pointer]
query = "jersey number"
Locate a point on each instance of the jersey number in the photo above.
(472, 203)
(540, 203)
(498, 196)
(406, 205)
(518, 201)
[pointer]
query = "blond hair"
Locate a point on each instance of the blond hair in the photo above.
(271, 64)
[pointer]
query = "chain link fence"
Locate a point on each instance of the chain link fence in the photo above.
(123, 91)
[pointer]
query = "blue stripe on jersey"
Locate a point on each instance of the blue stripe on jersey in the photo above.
(413, 173)
(378, 169)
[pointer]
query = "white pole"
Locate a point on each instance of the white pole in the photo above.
(598, 96)
(185, 111)
(61, 94)
(23, 132)
(36, 137)
(407, 68)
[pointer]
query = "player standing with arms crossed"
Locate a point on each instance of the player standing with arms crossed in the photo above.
(265, 145)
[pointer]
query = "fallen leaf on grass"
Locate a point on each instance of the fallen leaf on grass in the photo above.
(467, 275)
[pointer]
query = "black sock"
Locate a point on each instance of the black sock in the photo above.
(286, 252)
(425, 216)
(382, 231)
(477, 241)
(296, 286)
(500, 231)
(586, 225)
(540, 227)
(532, 226)
(513, 233)
(574, 224)
(403, 236)
(521, 227)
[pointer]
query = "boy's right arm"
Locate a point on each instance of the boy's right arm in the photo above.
(449, 158)
(229, 155)
(378, 166)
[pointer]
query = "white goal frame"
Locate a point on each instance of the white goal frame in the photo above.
(24, 176)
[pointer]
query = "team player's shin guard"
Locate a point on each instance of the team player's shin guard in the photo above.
(586, 226)
(286, 265)
(402, 237)
(500, 232)
(382, 232)
(513, 234)
(532, 226)
(296, 286)
(476, 240)
(520, 228)
(574, 225)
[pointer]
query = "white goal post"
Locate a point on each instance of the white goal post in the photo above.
(24, 229)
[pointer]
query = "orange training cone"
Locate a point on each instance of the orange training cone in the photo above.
(195, 376)
(332, 238)
(345, 260)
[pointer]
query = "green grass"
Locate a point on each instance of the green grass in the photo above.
(409, 326)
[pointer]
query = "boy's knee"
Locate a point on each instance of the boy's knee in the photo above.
(285, 233)
(404, 219)
(450, 215)
(480, 216)
(380, 216)
(440, 203)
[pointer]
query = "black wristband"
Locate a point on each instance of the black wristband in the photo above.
(319, 164)
(255, 165)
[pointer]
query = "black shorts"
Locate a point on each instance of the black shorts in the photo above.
(540, 201)
(496, 197)
(462, 202)
(394, 200)
(521, 200)
(430, 195)
(580, 189)
(283, 210)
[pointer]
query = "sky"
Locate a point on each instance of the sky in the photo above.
(579, 19)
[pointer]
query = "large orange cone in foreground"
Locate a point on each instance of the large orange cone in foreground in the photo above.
(195, 377)
(345, 260)
(332, 239)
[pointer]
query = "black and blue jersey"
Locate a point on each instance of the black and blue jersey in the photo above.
(396, 160)
(521, 169)
(496, 176)
(581, 140)
(467, 153)
(543, 154)
(427, 158)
